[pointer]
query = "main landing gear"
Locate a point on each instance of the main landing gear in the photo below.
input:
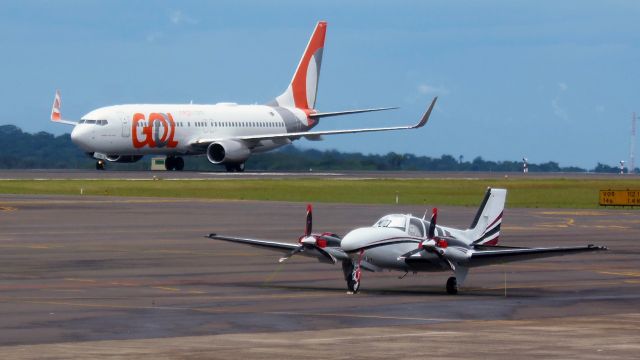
(100, 164)
(238, 167)
(351, 275)
(174, 163)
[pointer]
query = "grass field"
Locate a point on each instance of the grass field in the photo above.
(544, 193)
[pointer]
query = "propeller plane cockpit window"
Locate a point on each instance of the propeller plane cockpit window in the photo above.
(393, 221)
(416, 227)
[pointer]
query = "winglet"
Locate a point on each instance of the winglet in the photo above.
(55, 109)
(426, 115)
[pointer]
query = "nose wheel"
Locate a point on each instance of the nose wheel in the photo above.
(100, 165)
(452, 286)
(351, 275)
(174, 163)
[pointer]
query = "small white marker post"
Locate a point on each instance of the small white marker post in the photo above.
(81, 191)
(396, 198)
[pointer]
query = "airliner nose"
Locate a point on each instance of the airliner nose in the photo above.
(80, 137)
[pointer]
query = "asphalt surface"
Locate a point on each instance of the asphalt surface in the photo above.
(101, 277)
(216, 173)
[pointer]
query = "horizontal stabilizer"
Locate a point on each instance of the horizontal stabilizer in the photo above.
(349, 112)
(56, 116)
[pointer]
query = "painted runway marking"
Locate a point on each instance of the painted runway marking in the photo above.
(351, 338)
(166, 288)
(621, 273)
(359, 316)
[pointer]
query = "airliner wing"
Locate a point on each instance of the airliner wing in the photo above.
(488, 255)
(282, 247)
(295, 135)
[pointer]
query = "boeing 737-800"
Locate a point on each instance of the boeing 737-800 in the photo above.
(227, 133)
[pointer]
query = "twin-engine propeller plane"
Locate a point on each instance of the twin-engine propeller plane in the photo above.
(411, 244)
(227, 133)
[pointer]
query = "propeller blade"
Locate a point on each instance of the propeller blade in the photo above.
(432, 223)
(309, 225)
(410, 253)
(293, 252)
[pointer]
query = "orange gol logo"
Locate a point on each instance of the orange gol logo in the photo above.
(158, 132)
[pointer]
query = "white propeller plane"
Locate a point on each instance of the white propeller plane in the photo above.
(227, 133)
(410, 244)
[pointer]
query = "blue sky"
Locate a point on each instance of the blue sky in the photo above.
(549, 80)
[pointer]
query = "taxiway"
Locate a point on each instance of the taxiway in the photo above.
(102, 276)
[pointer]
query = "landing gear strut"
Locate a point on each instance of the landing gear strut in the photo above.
(174, 163)
(100, 164)
(452, 286)
(351, 275)
(239, 167)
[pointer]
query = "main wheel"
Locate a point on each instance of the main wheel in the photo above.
(230, 167)
(452, 286)
(179, 164)
(100, 165)
(240, 167)
(170, 163)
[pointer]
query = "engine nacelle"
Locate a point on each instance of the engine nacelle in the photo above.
(123, 158)
(228, 151)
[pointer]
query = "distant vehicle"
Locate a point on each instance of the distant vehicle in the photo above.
(227, 133)
(411, 244)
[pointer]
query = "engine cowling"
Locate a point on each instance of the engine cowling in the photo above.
(230, 151)
(124, 158)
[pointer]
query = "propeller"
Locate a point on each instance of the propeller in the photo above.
(433, 243)
(310, 241)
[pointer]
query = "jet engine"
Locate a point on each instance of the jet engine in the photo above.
(124, 158)
(227, 151)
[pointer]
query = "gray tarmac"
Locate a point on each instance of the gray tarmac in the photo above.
(103, 277)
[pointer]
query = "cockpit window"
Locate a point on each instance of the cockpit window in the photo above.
(416, 228)
(96, 122)
(392, 221)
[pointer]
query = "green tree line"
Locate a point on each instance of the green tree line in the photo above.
(42, 150)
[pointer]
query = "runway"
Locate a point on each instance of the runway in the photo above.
(215, 173)
(98, 277)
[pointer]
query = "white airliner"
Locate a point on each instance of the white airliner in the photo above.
(403, 242)
(227, 133)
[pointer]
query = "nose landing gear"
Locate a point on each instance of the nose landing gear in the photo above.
(351, 275)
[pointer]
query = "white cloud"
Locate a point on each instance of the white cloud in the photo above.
(153, 36)
(558, 110)
(177, 17)
(426, 89)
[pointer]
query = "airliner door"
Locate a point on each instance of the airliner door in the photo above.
(125, 126)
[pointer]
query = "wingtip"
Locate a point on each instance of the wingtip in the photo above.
(427, 114)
